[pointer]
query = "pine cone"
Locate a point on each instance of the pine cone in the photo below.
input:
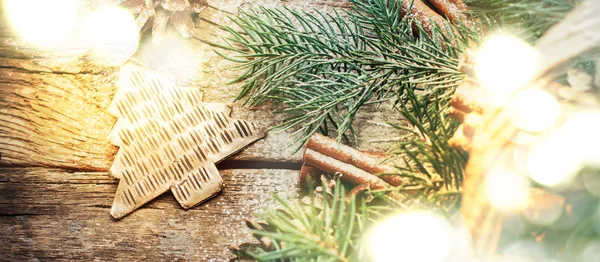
(159, 13)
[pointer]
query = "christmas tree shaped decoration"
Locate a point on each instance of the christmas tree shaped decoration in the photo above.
(169, 139)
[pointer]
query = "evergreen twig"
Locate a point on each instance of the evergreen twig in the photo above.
(331, 227)
(324, 71)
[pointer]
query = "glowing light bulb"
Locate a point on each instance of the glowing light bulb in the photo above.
(412, 235)
(507, 190)
(553, 161)
(582, 132)
(42, 22)
(533, 110)
(505, 63)
(113, 34)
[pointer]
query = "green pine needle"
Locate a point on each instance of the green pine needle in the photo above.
(322, 69)
(326, 69)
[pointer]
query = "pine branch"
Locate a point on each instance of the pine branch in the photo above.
(322, 75)
(330, 226)
(326, 70)
(321, 231)
(430, 78)
(426, 149)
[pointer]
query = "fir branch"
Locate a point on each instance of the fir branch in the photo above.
(332, 227)
(426, 150)
(326, 70)
(429, 78)
(321, 231)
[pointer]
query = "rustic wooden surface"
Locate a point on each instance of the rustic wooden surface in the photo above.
(53, 115)
(55, 214)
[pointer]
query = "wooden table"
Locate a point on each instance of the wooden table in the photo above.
(55, 191)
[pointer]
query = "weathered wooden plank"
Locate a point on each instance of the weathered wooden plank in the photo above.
(53, 214)
(53, 102)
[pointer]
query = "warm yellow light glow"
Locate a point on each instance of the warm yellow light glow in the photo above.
(582, 130)
(113, 34)
(507, 190)
(504, 63)
(553, 161)
(533, 110)
(45, 23)
(411, 236)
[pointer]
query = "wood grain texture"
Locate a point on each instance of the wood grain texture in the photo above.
(53, 102)
(53, 214)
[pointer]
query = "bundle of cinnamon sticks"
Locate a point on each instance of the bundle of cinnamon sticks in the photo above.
(365, 170)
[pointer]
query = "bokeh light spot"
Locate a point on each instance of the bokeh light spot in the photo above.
(533, 110)
(505, 63)
(412, 235)
(113, 35)
(552, 162)
(507, 189)
(582, 130)
(45, 23)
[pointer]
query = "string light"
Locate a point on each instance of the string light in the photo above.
(113, 34)
(412, 235)
(561, 156)
(42, 22)
(553, 161)
(505, 63)
(507, 189)
(533, 110)
(582, 131)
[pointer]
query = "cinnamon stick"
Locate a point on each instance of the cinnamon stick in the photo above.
(423, 14)
(455, 10)
(349, 172)
(309, 172)
(357, 190)
(345, 154)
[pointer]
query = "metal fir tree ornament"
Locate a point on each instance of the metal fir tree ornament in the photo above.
(170, 140)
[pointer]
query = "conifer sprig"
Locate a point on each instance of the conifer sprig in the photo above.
(332, 226)
(323, 230)
(323, 68)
